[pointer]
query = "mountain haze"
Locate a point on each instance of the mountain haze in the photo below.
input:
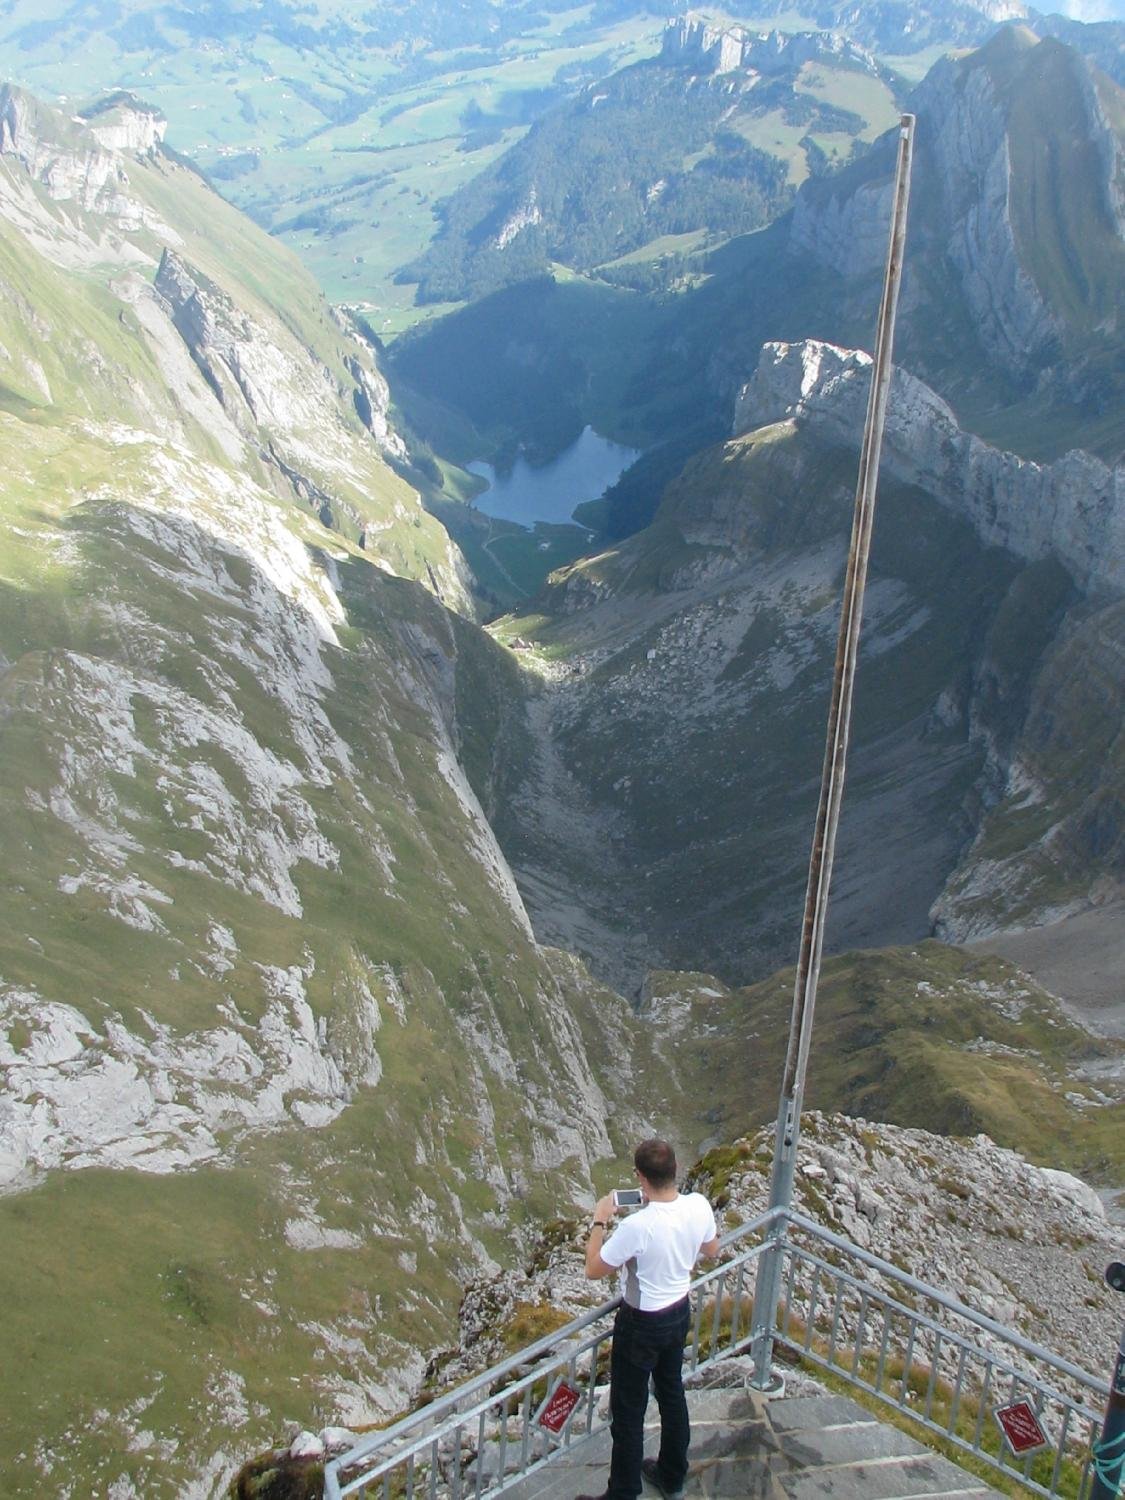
(343, 131)
(348, 940)
(990, 769)
(702, 142)
(699, 656)
(1011, 305)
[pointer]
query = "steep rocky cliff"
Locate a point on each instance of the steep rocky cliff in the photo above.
(692, 41)
(699, 658)
(964, 160)
(1017, 255)
(1011, 305)
(1053, 785)
(1073, 509)
(285, 1045)
(279, 1049)
(286, 394)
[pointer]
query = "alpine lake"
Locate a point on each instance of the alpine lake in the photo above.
(529, 526)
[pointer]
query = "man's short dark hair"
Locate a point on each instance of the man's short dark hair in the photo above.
(656, 1162)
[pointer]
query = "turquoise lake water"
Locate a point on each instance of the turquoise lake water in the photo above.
(582, 472)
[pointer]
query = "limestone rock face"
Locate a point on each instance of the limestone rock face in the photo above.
(715, 49)
(963, 168)
(844, 230)
(965, 129)
(972, 217)
(1065, 773)
(848, 30)
(124, 124)
(1020, 1244)
(259, 381)
(299, 394)
(371, 396)
(261, 922)
(1073, 509)
(71, 165)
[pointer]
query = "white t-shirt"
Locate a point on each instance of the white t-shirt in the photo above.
(657, 1247)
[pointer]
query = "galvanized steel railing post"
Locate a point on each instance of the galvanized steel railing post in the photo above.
(1109, 1450)
(832, 778)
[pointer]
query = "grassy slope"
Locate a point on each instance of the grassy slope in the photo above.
(305, 116)
(663, 153)
(1067, 243)
(167, 1296)
(172, 1270)
(689, 353)
(92, 332)
(1057, 833)
(1060, 218)
(927, 1036)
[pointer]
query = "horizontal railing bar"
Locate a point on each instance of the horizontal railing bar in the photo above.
(765, 1220)
(487, 1377)
(463, 1416)
(430, 1413)
(424, 1429)
(953, 1438)
(457, 1420)
(948, 1335)
(1008, 1335)
(716, 1273)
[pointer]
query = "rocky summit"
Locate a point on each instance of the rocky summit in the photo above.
(972, 1220)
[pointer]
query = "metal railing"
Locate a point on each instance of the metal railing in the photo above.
(927, 1355)
(860, 1319)
(483, 1437)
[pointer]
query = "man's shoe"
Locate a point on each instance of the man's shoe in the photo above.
(651, 1471)
(603, 1496)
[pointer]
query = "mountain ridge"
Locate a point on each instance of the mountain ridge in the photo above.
(272, 1018)
(698, 659)
(1073, 509)
(266, 784)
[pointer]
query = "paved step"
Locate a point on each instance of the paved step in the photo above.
(805, 1447)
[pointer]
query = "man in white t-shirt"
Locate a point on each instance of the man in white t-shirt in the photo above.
(656, 1249)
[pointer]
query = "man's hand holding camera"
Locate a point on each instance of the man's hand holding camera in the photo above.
(604, 1210)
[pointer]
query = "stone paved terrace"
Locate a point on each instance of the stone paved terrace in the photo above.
(802, 1447)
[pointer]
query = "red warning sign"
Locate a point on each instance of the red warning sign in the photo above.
(1020, 1427)
(559, 1406)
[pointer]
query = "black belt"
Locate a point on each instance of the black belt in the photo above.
(647, 1314)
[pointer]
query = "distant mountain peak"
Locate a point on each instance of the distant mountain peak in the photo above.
(122, 122)
(1017, 214)
(692, 39)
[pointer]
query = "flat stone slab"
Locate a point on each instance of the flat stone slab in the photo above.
(717, 1406)
(843, 1445)
(883, 1479)
(794, 1412)
(749, 1480)
(801, 1448)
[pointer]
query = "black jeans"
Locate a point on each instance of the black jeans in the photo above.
(644, 1344)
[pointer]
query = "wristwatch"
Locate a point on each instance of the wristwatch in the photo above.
(599, 1224)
